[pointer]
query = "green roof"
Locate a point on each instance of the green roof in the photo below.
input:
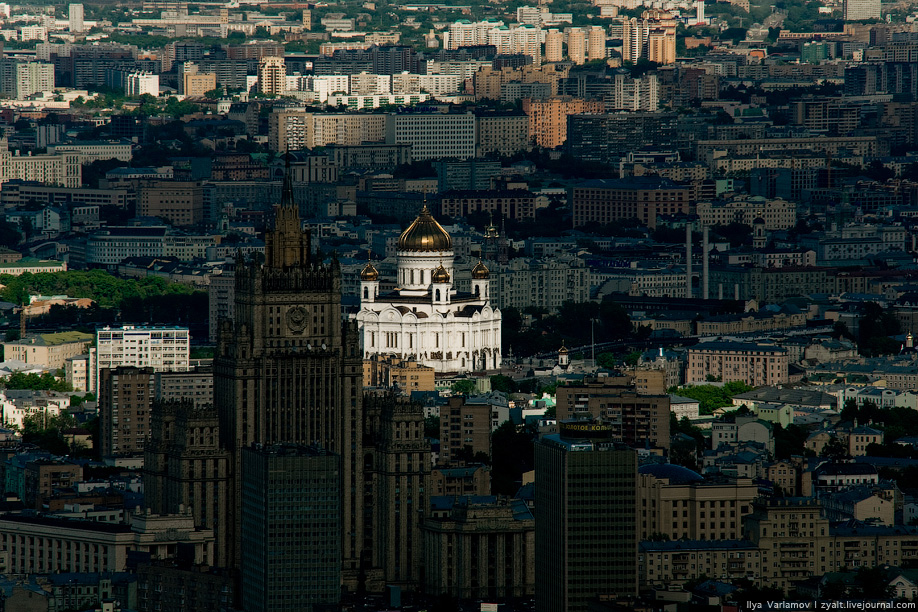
(55, 339)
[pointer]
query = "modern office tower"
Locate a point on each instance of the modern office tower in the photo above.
(860, 10)
(596, 43)
(185, 468)
(272, 76)
(291, 528)
(161, 348)
(576, 45)
(288, 371)
(586, 540)
(75, 14)
(125, 398)
(554, 42)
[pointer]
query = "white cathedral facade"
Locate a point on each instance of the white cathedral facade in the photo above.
(425, 318)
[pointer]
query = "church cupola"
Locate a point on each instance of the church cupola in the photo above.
(480, 282)
(369, 283)
(440, 285)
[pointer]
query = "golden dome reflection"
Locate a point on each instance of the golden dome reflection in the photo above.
(425, 234)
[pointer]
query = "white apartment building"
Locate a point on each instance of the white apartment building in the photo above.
(433, 135)
(27, 33)
(464, 33)
(640, 94)
(96, 150)
(32, 78)
(140, 83)
(112, 245)
(303, 129)
(435, 84)
(369, 84)
(859, 10)
(75, 18)
(525, 39)
(357, 102)
(164, 349)
(462, 69)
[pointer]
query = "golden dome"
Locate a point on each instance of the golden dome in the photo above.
(440, 275)
(369, 273)
(425, 234)
(480, 271)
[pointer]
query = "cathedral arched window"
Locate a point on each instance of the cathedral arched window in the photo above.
(366, 293)
(438, 295)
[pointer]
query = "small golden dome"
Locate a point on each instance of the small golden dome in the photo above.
(440, 275)
(480, 271)
(425, 234)
(369, 273)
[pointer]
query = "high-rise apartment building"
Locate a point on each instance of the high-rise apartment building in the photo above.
(652, 37)
(860, 10)
(465, 431)
(576, 45)
(140, 83)
(585, 510)
(554, 45)
(596, 43)
(160, 348)
(75, 18)
(195, 83)
(32, 78)
(125, 397)
(291, 528)
(272, 76)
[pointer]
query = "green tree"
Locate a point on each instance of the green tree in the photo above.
(463, 387)
(834, 449)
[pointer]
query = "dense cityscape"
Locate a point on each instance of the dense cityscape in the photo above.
(580, 306)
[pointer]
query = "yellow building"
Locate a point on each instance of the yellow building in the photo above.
(407, 375)
(548, 118)
(50, 350)
(197, 84)
(678, 503)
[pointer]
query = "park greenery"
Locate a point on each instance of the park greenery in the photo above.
(712, 397)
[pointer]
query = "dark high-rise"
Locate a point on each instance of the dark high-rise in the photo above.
(586, 539)
(291, 528)
(287, 369)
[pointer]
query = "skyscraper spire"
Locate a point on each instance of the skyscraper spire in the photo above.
(287, 190)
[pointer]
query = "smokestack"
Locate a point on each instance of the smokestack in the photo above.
(720, 291)
(704, 263)
(736, 292)
(688, 260)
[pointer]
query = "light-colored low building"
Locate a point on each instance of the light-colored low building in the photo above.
(51, 350)
(380, 371)
(668, 564)
(754, 364)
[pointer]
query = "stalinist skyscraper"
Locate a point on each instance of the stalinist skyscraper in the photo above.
(288, 370)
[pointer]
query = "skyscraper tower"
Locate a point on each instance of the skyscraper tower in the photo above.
(75, 18)
(288, 371)
(586, 539)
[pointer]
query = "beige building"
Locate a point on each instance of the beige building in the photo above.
(125, 400)
(860, 504)
(62, 170)
(196, 84)
(471, 480)
(50, 350)
(380, 371)
(576, 45)
(272, 76)
(778, 214)
(465, 431)
(38, 545)
(300, 129)
(548, 118)
(504, 135)
(754, 364)
(635, 419)
(554, 45)
(664, 565)
(596, 43)
(76, 372)
(477, 550)
(181, 203)
(678, 503)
